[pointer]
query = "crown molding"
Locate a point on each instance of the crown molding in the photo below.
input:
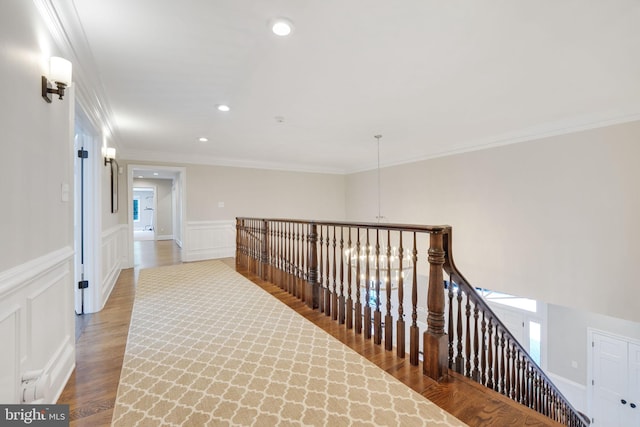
(182, 158)
(547, 130)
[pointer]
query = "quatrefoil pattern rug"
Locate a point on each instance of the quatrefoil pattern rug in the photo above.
(207, 347)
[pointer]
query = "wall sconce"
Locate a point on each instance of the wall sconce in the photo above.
(109, 155)
(60, 74)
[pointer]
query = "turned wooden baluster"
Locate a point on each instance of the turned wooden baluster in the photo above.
(496, 367)
(294, 242)
(341, 299)
(327, 289)
(502, 363)
(517, 376)
(523, 380)
(388, 319)
(507, 380)
(304, 256)
(320, 270)
(312, 266)
(291, 266)
(367, 307)
(459, 334)
(450, 323)
(358, 304)
(467, 338)
(377, 315)
(349, 302)
(490, 373)
(400, 331)
(529, 390)
(414, 331)
(334, 294)
(514, 378)
(483, 351)
(475, 373)
(273, 252)
(435, 339)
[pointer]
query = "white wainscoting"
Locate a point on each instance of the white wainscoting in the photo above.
(37, 328)
(209, 240)
(574, 392)
(114, 258)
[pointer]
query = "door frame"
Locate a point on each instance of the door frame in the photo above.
(181, 179)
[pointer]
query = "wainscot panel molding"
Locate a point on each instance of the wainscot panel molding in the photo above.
(209, 240)
(114, 258)
(37, 327)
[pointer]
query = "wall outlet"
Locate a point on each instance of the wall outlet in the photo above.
(574, 364)
(221, 204)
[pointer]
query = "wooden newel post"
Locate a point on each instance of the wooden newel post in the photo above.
(238, 242)
(435, 340)
(313, 290)
(264, 254)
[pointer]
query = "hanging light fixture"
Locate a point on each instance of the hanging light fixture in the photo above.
(379, 217)
(389, 262)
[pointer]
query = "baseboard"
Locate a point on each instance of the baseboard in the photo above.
(165, 237)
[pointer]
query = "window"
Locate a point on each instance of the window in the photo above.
(136, 210)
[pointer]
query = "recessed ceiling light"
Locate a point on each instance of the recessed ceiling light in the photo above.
(223, 107)
(155, 174)
(281, 27)
(202, 139)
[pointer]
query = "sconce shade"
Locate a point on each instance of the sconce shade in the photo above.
(110, 153)
(60, 70)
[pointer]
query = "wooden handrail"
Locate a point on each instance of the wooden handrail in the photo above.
(314, 261)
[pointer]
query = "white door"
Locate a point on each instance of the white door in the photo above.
(609, 382)
(616, 380)
(634, 385)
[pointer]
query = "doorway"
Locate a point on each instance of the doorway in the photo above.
(144, 210)
(161, 220)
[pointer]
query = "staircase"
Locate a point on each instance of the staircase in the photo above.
(369, 277)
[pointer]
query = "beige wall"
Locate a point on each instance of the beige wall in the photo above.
(37, 144)
(257, 192)
(554, 219)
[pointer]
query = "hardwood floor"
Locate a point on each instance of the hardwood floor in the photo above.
(92, 388)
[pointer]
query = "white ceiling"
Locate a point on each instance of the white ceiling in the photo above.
(433, 77)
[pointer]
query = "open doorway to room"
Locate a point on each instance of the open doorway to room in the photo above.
(145, 206)
(157, 206)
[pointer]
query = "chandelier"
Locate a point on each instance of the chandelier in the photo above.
(388, 264)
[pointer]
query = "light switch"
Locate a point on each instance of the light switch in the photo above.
(64, 192)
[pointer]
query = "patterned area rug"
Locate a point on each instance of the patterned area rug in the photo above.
(208, 347)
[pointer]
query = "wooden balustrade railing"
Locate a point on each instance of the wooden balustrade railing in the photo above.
(368, 276)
